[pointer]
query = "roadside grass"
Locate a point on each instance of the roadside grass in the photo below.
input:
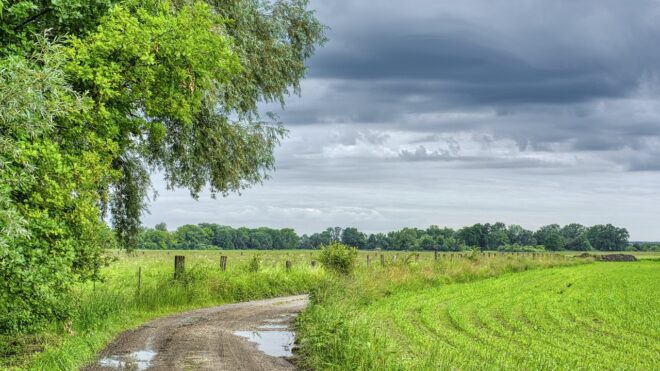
(104, 309)
(588, 316)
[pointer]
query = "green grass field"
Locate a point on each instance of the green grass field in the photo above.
(593, 316)
(387, 318)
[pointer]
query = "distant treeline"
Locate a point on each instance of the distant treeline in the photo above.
(497, 236)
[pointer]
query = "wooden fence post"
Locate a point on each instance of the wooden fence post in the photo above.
(139, 279)
(368, 261)
(435, 255)
(288, 265)
(223, 263)
(382, 260)
(179, 265)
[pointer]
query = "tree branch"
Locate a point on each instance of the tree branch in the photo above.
(33, 18)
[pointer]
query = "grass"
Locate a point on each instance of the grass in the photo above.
(589, 316)
(105, 309)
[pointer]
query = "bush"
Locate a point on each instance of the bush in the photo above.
(338, 257)
(255, 264)
(521, 248)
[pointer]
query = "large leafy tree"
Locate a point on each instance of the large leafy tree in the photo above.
(608, 237)
(139, 86)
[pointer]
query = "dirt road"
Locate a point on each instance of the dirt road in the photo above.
(217, 338)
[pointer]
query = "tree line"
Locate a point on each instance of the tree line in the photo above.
(496, 236)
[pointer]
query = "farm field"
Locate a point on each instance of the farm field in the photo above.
(116, 303)
(139, 286)
(592, 316)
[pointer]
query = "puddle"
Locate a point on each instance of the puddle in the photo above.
(140, 360)
(273, 326)
(274, 343)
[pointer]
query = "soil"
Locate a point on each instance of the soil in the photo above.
(204, 339)
(617, 258)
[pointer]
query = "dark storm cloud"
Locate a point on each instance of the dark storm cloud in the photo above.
(552, 76)
(515, 54)
(449, 64)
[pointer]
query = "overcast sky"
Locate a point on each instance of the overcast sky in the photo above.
(457, 112)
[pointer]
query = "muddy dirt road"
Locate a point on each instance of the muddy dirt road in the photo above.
(248, 336)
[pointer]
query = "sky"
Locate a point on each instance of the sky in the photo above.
(452, 113)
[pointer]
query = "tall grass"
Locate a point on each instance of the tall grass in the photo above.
(104, 309)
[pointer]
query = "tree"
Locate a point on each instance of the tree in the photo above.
(550, 237)
(497, 236)
(427, 243)
(608, 237)
(289, 238)
(476, 235)
(51, 233)
(172, 83)
(579, 243)
(156, 239)
(378, 241)
(521, 236)
(352, 237)
(405, 239)
(128, 87)
(575, 236)
(190, 237)
(334, 233)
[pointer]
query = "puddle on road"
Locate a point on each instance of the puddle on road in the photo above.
(272, 326)
(272, 336)
(274, 343)
(140, 360)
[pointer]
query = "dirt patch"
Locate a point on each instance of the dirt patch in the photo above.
(227, 337)
(616, 258)
(609, 257)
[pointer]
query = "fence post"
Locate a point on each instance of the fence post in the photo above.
(417, 257)
(382, 260)
(288, 265)
(139, 279)
(223, 263)
(179, 265)
(435, 255)
(368, 261)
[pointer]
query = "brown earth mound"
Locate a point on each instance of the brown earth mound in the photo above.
(617, 258)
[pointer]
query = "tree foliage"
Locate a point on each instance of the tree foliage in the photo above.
(99, 94)
(51, 233)
(488, 236)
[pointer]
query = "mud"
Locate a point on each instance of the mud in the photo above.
(248, 336)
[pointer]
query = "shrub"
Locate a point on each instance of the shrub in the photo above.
(338, 257)
(521, 248)
(255, 264)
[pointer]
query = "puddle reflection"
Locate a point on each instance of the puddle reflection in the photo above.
(273, 343)
(140, 360)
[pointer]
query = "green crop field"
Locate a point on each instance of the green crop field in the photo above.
(593, 316)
